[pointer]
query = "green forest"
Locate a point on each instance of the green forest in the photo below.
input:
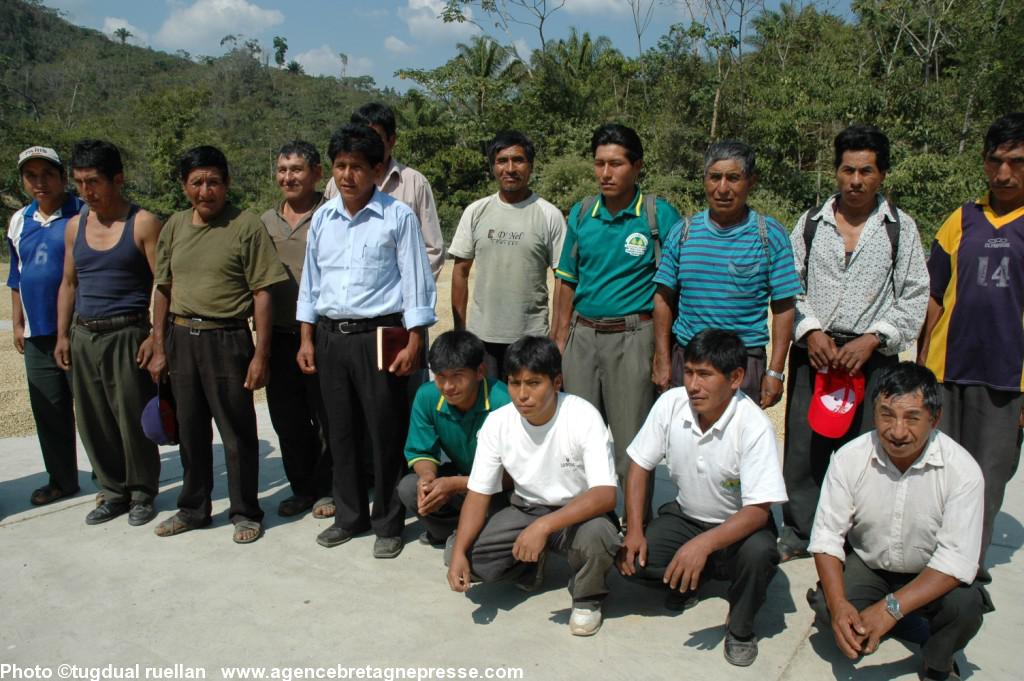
(931, 73)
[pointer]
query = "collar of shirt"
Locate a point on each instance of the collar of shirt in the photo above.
(279, 210)
(483, 403)
(602, 213)
(691, 420)
(827, 212)
(393, 172)
(714, 228)
(33, 210)
(931, 455)
(374, 205)
(998, 220)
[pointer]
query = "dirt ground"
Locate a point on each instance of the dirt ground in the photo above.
(16, 416)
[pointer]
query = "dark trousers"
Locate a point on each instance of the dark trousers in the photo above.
(49, 393)
(807, 454)
(757, 361)
(953, 619)
(111, 391)
(590, 547)
(442, 522)
(207, 373)
(986, 423)
(350, 381)
(297, 413)
(494, 360)
(748, 565)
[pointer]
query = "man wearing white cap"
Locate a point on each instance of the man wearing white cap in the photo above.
(36, 242)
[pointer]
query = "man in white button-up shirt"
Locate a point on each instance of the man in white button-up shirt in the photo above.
(721, 454)
(909, 501)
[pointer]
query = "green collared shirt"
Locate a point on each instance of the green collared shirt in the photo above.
(436, 426)
(610, 258)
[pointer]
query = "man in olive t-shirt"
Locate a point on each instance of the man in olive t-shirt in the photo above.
(515, 236)
(214, 265)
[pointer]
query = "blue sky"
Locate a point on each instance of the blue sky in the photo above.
(379, 36)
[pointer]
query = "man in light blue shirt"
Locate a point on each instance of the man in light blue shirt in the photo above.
(366, 267)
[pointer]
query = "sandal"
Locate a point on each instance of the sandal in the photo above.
(324, 508)
(178, 524)
(47, 494)
(243, 526)
(789, 552)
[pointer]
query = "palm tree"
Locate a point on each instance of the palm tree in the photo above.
(489, 68)
(122, 34)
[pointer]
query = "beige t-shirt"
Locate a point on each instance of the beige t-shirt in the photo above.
(513, 245)
(213, 269)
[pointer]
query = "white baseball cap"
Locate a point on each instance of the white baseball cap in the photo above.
(45, 153)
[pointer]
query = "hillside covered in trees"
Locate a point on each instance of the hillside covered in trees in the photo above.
(931, 73)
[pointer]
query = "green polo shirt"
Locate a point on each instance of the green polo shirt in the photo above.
(610, 258)
(435, 425)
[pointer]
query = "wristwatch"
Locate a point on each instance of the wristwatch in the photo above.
(892, 606)
(883, 340)
(778, 375)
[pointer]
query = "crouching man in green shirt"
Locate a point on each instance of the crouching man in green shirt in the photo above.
(446, 416)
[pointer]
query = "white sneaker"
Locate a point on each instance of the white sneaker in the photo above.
(585, 620)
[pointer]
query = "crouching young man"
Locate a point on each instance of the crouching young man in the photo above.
(721, 454)
(555, 448)
(446, 416)
(910, 502)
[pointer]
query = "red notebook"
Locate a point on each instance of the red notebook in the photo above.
(390, 341)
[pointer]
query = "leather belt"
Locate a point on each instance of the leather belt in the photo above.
(840, 338)
(113, 323)
(359, 325)
(195, 325)
(613, 324)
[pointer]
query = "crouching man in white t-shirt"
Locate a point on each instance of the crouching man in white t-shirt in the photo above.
(721, 453)
(555, 448)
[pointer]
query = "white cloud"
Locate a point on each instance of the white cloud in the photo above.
(422, 17)
(201, 25)
(596, 6)
(137, 37)
(396, 45)
(326, 61)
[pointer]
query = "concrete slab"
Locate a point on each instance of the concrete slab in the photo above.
(114, 596)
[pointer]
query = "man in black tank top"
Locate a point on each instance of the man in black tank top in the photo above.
(103, 331)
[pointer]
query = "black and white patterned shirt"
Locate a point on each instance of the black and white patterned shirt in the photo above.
(869, 293)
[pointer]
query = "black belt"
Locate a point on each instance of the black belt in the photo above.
(359, 325)
(840, 338)
(196, 325)
(113, 323)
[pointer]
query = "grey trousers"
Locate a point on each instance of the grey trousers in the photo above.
(111, 391)
(590, 548)
(953, 619)
(442, 522)
(748, 565)
(612, 371)
(986, 423)
(808, 454)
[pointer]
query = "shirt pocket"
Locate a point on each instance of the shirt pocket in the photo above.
(746, 274)
(375, 261)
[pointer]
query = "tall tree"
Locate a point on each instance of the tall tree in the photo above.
(122, 34)
(280, 49)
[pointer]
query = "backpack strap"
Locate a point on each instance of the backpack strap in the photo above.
(684, 234)
(762, 231)
(586, 205)
(810, 229)
(892, 229)
(650, 202)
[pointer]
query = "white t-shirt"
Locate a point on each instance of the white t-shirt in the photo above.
(551, 464)
(513, 246)
(734, 464)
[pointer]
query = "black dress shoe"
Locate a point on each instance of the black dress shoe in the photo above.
(108, 510)
(141, 513)
(334, 536)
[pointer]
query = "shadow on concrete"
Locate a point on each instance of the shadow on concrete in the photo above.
(1007, 537)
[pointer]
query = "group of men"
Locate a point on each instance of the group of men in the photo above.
(519, 444)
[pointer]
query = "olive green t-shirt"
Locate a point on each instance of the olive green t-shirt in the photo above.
(213, 269)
